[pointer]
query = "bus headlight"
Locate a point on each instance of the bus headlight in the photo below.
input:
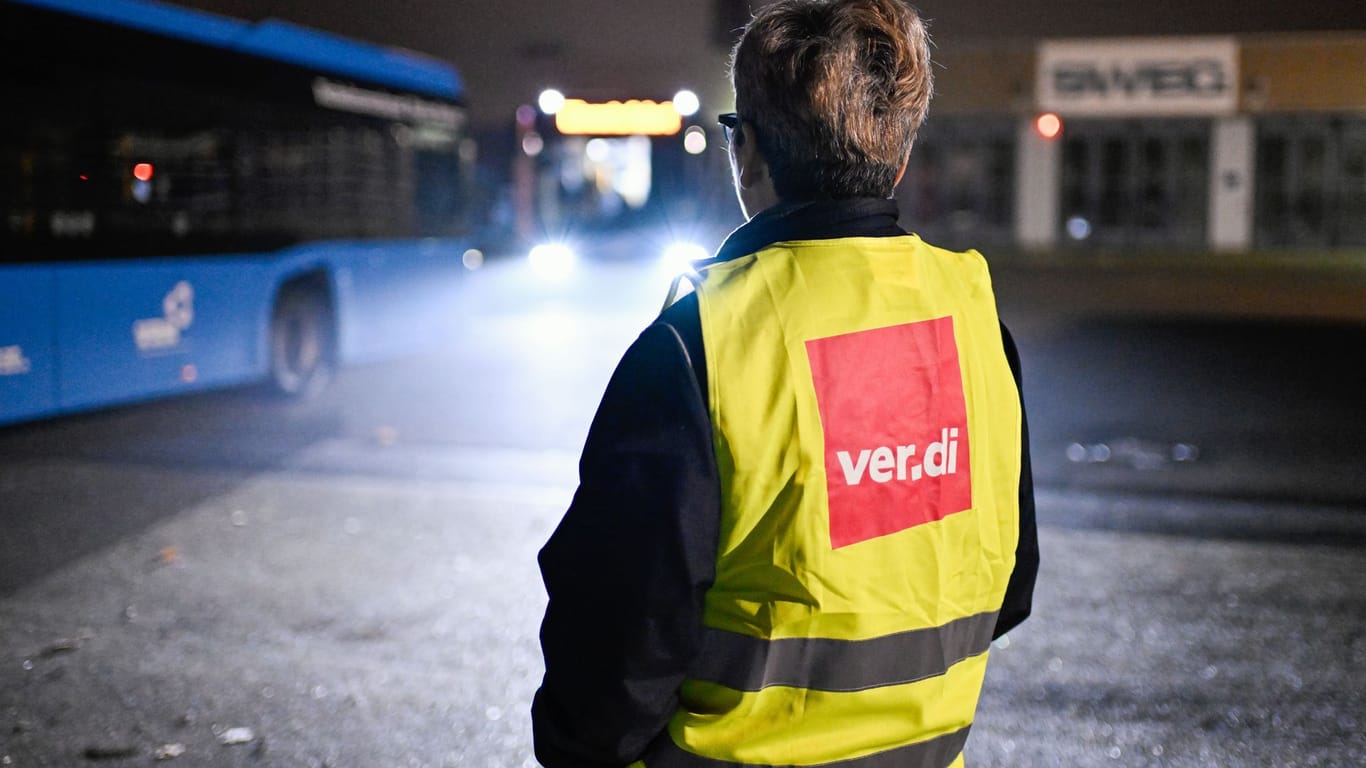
(552, 260)
(680, 255)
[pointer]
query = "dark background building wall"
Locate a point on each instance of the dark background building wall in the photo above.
(509, 50)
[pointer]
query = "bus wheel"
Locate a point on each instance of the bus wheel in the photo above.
(303, 354)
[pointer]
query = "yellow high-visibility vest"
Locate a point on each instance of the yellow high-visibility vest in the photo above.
(867, 431)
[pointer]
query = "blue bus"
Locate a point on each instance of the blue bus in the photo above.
(190, 201)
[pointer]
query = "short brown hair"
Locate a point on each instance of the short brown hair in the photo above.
(835, 91)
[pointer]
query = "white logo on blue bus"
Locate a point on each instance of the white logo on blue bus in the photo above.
(156, 334)
(13, 362)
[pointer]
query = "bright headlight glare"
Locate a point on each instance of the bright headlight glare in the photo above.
(552, 259)
(679, 256)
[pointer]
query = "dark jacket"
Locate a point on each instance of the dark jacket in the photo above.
(627, 569)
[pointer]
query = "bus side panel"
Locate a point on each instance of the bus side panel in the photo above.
(28, 362)
(132, 331)
(394, 299)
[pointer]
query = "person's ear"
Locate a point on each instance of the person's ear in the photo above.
(902, 170)
(753, 169)
(737, 136)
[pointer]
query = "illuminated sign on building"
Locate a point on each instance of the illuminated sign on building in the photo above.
(618, 118)
(1139, 76)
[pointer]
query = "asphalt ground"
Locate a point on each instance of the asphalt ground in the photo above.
(319, 618)
(348, 599)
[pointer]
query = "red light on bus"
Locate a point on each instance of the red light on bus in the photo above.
(1048, 125)
(143, 171)
(84, 177)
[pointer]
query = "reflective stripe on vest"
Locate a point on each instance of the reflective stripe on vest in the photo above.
(940, 750)
(867, 434)
(747, 663)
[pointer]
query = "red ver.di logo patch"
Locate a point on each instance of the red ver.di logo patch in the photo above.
(895, 422)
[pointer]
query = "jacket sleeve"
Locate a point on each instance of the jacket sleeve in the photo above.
(1019, 597)
(628, 566)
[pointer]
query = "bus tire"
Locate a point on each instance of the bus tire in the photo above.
(303, 357)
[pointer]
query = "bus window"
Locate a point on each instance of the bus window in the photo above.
(437, 183)
(49, 177)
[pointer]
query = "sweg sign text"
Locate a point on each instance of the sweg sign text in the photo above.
(1138, 77)
(1203, 77)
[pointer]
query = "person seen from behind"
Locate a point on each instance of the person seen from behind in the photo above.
(805, 506)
